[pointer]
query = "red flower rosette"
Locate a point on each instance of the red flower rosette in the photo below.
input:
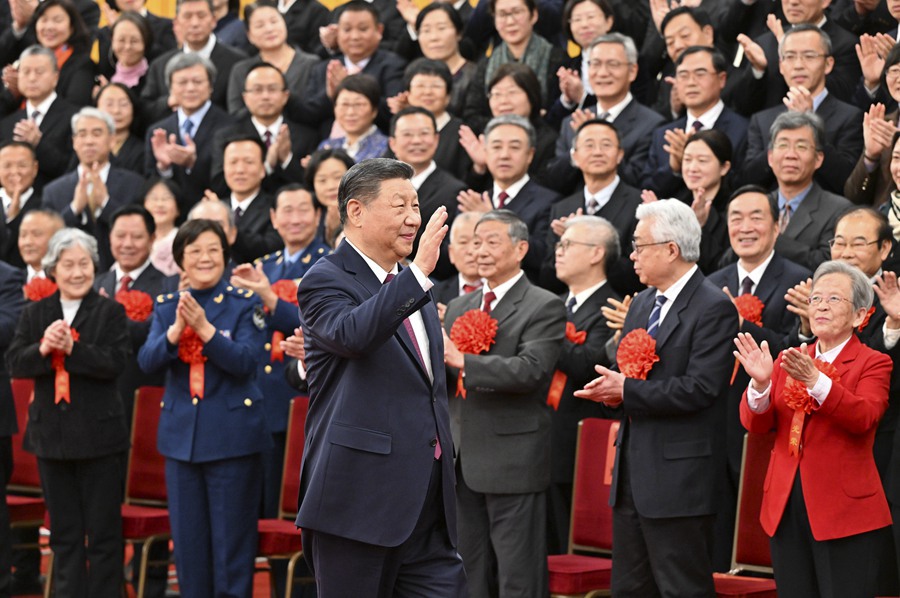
(636, 354)
(286, 290)
(473, 332)
(39, 288)
(62, 390)
(797, 397)
(138, 304)
(865, 321)
(575, 336)
(558, 382)
(750, 308)
(190, 351)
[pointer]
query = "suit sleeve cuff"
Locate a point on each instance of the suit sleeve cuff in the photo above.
(424, 282)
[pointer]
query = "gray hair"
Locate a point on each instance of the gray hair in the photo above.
(803, 27)
(861, 287)
(220, 205)
(672, 220)
(67, 238)
(791, 121)
(461, 219)
(363, 181)
(180, 3)
(626, 42)
(516, 121)
(601, 232)
(90, 112)
(181, 61)
(37, 50)
(517, 230)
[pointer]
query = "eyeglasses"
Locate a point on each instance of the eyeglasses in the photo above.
(591, 146)
(830, 300)
(801, 147)
(513, 14)
(699, 75)
(804, 57)
(565, 245)
(509, 93)
(856, 245)
(611, 65)
(352, 106)
(638, 248)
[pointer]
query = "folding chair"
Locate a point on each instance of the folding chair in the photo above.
(23, 498)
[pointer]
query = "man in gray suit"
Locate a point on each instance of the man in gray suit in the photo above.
(807, 213)
(503, 426)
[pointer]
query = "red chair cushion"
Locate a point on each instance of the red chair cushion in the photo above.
(733, 586)
(278, 536)
(25, 508)
(141, 522)
(577, 574)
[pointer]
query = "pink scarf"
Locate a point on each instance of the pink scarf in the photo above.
(129, 76)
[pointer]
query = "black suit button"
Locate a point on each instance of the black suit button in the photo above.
(434, 442)
(63, 406)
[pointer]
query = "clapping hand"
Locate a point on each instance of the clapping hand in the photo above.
(756, 359)
(606, 389)
(195, 316)
(799, 365)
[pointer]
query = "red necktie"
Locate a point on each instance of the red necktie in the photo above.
(488, 299)
(501, 199)
(125, 284)
(267, 138)
(468, 288)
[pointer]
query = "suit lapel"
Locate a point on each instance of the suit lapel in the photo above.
(507, 306)
(770, 281)
(673, 317)
(805, 214)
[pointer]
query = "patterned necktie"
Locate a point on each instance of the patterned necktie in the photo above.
(267, 138)
(653, 323)
(746, 285)
(784, 218)
(187, 128)
(488, 299)
(125, 284)
(592, 206)
(697, 125)
(501, 199)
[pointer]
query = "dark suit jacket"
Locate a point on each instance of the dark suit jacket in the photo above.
(843, 144)
(303, 19)
(255, 234)
(673, 429)
(369, 441)
(192, 184)
(155, 93)
(450, 155)
(11, 303)
(55, 148)
(635, 126)
(872, 188)
(503, 426)
(805, 241)
(76, 76)
(131, 154)
(93, 424)
(659, 177)
(9, 232)
(439, 189)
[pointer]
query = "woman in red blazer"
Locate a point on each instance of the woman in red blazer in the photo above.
(824, 403)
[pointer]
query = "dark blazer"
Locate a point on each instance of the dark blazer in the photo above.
(503, 425)
(76, 77)
(673, 428)
(843, 144)
(872, 188)
(155, 93)
(439, 189)
(303, 18)
(93, 424)
(163, 41)
(369, 439)
(194, 184)
(231, 406)
(635, 125)
(659, 177)
(55, 148)
(9, 232)
(805, 241)
(450, 155)
(131, 155)
(11, 303)
(255, 234)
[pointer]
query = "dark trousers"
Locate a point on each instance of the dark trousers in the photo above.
(273, 467)
(424, 566)
(841, 568)
(213, 509)
(669, 556)
(84, 499)
(503, 541)
(559, 514)
(6, 464)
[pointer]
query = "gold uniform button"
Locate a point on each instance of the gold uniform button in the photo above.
(195, 401)
(248, 402)
(267, 346)
(268, 369)
(162, 404)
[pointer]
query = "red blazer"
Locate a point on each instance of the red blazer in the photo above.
(841, 487)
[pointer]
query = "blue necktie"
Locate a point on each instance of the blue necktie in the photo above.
(570, 306)
(653, 323)
(187, 127)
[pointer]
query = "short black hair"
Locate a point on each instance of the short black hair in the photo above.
(720, 63)
(363, 181)
(365, 85)
(444, 7)
(597, 121)
(531, 5)
(251, 138)
(697, 15)
(412, 110)
(267, 65)
(322, 155)
(134, 209)
(426, 66)
(22, 144)
(254, 6)
(525, 79)
(80, 39)
(190, 231)
(137, 122)
(570, 5)
(357, 6)
(290, 188)
(753, 188)
(138, 20)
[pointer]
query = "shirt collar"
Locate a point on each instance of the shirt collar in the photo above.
(423, 176)
(503, 288)
(460, 281)
(615, 111)
(757, 273)
(707, 119)
(361, 65)
(354, 148)
(196, 118)
(23, 199)
(442, 120)
(602, 196)
(104, 172)
(673, 291)
(243, 205)
(379, 272)
(817, 101)
(31, 273)
(273, 128)
(830, 355)
(794, 203)
(205, 51)
(43, 107)
(512, 191)
(584, 295)
(134, 274)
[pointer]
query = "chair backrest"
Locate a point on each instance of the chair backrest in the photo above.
(751, 544)
(293, 455)
(25, 477)
(591, 525)
(146, 479)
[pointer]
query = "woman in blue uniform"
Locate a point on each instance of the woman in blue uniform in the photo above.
(212, 429)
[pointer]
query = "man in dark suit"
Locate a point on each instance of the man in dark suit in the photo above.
(11, 303)
(671, 435)
(88, 196)
(509, 149)
(44, 121)
(597, 152)
(414, 140)
(700, 73)
(377, 481)
(195, 21)
(844, 134)
(502, 424)
(589, 246)
(807, 213)
(287, 143)
(18, 169)
(180, 146)
(761, 272)
(611, 70)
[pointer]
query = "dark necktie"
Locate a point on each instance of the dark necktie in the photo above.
(125, 284)
(653, 323)
(604, 116)
(35, 115)
(784, 218)
(488, 299)
(238, 212)
(468, 288)
(592, 206)
(697, 125)
(267, 138)
(746, 285)
(501, 199)
(570, 306)
(187, 128)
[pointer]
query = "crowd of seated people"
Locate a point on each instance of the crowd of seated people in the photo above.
(114, 139)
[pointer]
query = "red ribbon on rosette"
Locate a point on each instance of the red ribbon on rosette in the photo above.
(39, 288)
(558, 382)
(62, 389)
(750, 308)
(865, 321)
(138, 304)
(190, 351)
(286, 290)
(797, 397)
(473, 333)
